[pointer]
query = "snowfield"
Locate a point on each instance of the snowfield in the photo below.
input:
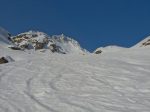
(116, 80)
(45, 82)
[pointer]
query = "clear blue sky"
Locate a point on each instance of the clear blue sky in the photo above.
(93, 23)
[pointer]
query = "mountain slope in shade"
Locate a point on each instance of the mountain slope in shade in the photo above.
(4, 37)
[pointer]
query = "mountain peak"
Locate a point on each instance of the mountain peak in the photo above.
(68, 44)
(39, 40)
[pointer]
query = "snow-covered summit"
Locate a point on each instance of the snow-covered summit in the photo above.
(67, 44)
(56, 43)
(37, 35)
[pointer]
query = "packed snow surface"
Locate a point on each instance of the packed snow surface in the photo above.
(46, 82)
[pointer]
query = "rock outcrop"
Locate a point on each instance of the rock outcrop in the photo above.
(39, 40)
(3, 60)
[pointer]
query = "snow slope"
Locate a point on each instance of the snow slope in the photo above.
(112, 48)
(42, 82)
(143, 43)
(68, 45)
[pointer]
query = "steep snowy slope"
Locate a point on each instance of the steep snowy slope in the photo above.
(143, 43)
(67, 44)
(111, 82)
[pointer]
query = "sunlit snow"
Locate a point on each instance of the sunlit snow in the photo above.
(50, 82)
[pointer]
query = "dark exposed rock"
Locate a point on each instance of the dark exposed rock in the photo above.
(3, 60)
(15, 48)
(34, 35)
(146, 43)
(53, 48)
(45, 40)
(24, 46)
(39, 45)
(39, 40)
(98, 52)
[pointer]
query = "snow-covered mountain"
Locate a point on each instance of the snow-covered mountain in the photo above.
(145, 43)
(67, 44)
(56, 43)
(37, 81)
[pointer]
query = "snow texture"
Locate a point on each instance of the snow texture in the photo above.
(49, 82)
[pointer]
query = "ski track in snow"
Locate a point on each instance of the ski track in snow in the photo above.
(115, 82)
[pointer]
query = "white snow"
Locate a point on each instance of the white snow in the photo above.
(68, 45)
(44, 82)
(37, 81)
(112, 48)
